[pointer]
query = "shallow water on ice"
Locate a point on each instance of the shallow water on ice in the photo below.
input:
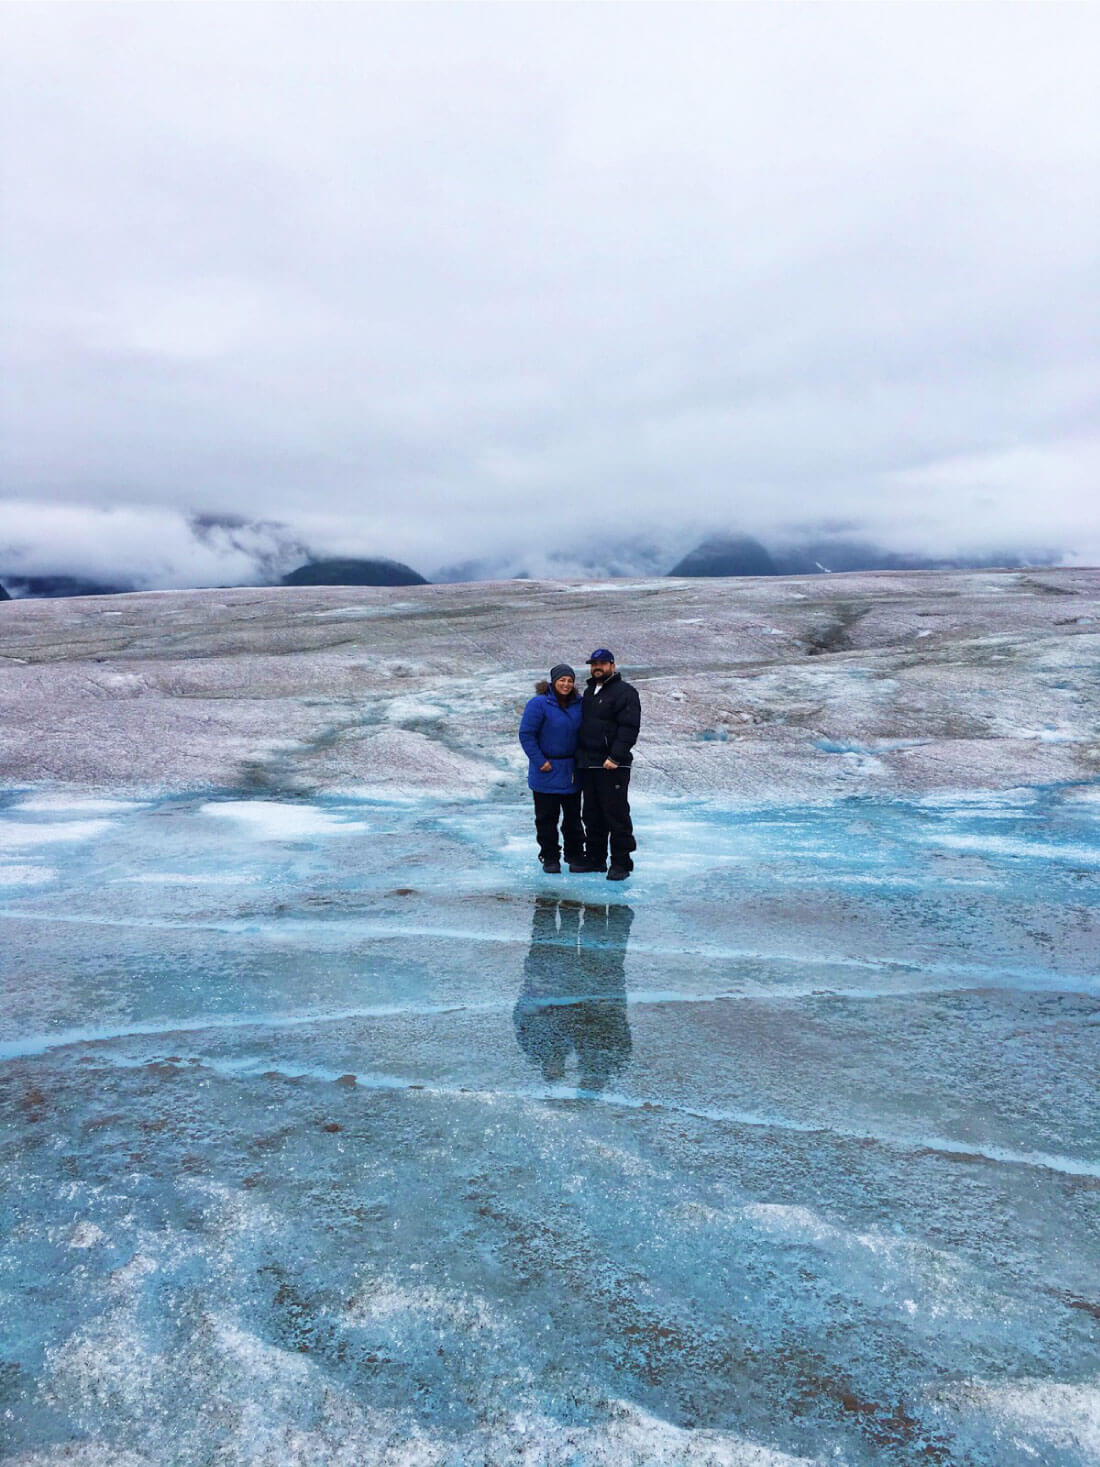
(335, 1132)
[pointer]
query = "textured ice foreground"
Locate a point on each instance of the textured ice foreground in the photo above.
(331, 1133)
(334, 1133)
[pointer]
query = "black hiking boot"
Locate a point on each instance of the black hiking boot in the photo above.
(552, 867)
(618, 873)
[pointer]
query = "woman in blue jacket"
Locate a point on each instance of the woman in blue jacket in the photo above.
(548, 733)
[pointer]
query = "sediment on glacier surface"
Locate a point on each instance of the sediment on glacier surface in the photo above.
(753, 690)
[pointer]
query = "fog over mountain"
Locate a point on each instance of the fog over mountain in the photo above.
(95, 552)
(526, 288)
(141, 547)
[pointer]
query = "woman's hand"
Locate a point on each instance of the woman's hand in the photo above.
(545, 768)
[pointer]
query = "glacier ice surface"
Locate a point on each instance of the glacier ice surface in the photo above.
(333, 1131)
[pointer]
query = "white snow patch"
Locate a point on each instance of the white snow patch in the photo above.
(341, 613)
(273, 820)
(26, 875)
(51, 804)
(976, 802)
(414, 710)
(1065, 1417)
(182, 878)
(1049, 735)
(587, 586)
(1089, 796)
(274, 1368)
(369, 795)
(631, 1437)
(1005, 845)
(904, 1273)
(127, 1278)
(383, 1301)
(86, 1235)
(78, 1454)
(18, 836)
(791, 1221)
(121, 682)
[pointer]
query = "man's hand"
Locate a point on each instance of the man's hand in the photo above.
(610, 764)
(545, 768)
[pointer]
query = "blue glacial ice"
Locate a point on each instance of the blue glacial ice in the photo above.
(334, 1132)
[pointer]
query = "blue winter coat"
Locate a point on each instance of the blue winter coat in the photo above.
(549, 731)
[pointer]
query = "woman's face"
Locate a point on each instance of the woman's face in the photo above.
(563, 685)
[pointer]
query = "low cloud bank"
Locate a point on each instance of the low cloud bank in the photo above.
(152, 548)
(735, 269)
(141, 547)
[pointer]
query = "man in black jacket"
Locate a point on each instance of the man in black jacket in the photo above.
(610, 718)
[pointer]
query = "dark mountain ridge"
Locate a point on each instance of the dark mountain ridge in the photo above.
(19, 588)
(379, 572)
(742, 555)
(348, 572)
(717, 555)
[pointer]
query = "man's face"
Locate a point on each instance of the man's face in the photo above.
(601, 671)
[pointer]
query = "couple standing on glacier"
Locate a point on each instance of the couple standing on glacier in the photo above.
(579, 749)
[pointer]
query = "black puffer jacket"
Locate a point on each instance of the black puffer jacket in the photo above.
(609, 723)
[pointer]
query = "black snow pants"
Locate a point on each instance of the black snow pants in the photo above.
(607, 816)
(548, 810)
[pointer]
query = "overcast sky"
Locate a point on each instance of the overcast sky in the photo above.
(440, 281)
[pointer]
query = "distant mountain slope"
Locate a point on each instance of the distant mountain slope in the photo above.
(726, 555)
(50, 586)
(836, 554)
(354, 573)
(4, 595)
(741, 555)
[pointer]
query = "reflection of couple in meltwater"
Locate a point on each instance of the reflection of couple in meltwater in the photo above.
(574, 991)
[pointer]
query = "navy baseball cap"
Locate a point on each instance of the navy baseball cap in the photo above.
(601, 654)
